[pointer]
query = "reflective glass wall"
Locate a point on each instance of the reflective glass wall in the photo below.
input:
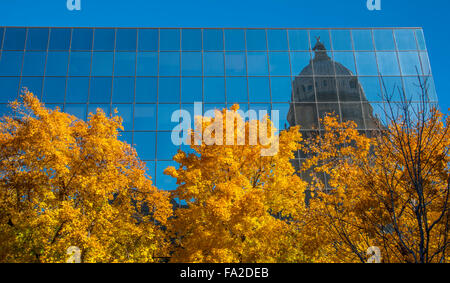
(149, 73)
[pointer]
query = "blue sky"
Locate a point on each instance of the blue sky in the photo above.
(432, 15)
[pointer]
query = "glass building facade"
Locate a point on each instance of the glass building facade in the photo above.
(148, 73)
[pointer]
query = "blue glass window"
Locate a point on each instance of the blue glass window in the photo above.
(11, 63)
(212, 39)
(191, 64)
(256, 39)
(420, 39)
(362, 39)
(102, 63)
(342, 39)
(145, 117)
(126, 112)
(34, 84)
(413, 90)
(366, 63)
(77, 89)
(283, 110)
(77, 110)
(259, 89)
(384, 39)
(277, 39)
(104, 39)
(371, 89)
(191, 90)
(37, 39)
(169, 39)
(148, 39)
(146, 90)
(147, 64)
(169, 64)
(298, 40)
(165, 147)
(82, 39)
(213, 63)
(236, 89)
(388, 64)
(257, 64)
(392, 88)
(9, 88)
(59, 39)
(405, 39)
(2, 32)
(279, 64)
(281, 88)
(54, 89)
(145, 143)
(409, 63)
(164, 117)
(14, 39)
(57, 63)
(235, 64)
(214, 90)
(100, 90)
(163, 181)
(191, 39)
(34, 64)
(92, 108)
(169, 90)
(299, 60)
(123, 90)
(347, 59)
(80, 63)
(125, 64)
(126, 137)
(234, 39)
(126, 39)
(425, 63)
(324, 35)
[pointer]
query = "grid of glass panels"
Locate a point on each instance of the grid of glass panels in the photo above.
(148, 73)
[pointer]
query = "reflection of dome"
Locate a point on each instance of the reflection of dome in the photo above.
(330, 82)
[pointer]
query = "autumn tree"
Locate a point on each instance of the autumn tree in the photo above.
(390, 190)
(240, 204)
(68, 182)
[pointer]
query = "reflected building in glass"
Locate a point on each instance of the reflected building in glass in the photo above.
(147, 73)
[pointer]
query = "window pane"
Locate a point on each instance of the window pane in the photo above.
(362, 39)
(169, 64)
(92, 108)
(14, 39)
(236, 90)
(384, 39)
(59, 39)
(214, 90)
(213, 65)
(326, 89)
(192, 40)
(277, 39)
(164, 117)
(392, 88)
(100, 90)
(191, 63)
(145, 117)
(366, 63)
(352, 112)
(298, 39)
(37, 39)
(324, 36)
(420, 39)
(163, 181)
(413, 90)
(9, 89)
(34, 63)
(303, 89)
(212, 39)
(305, 115)
(191, 90)
(279, 64)
(147, 64)
(371, 89)
(126, 39)
(165, 148)
(257, 64)
(104, 39)
(34, 84)
(123, 90)
(125, 64)
(410, 64)
(405, 39)
(281, 88)
(425, 63)
(146, 89)
(235, 64)
(77, 90)
(299, 60)
(11, 63)
(256, 39)
(347, 59)
(145, 144)
(388, 64)
(169, 90)
(54, 89)
(258, 89)
(126, 112)
(77, 110)
(82, 39)
(2, 32)
(80, 64)
(341, 39)
(234, 39)
(57, 62)
(169, 39)
(102, 63)
(148, 39)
